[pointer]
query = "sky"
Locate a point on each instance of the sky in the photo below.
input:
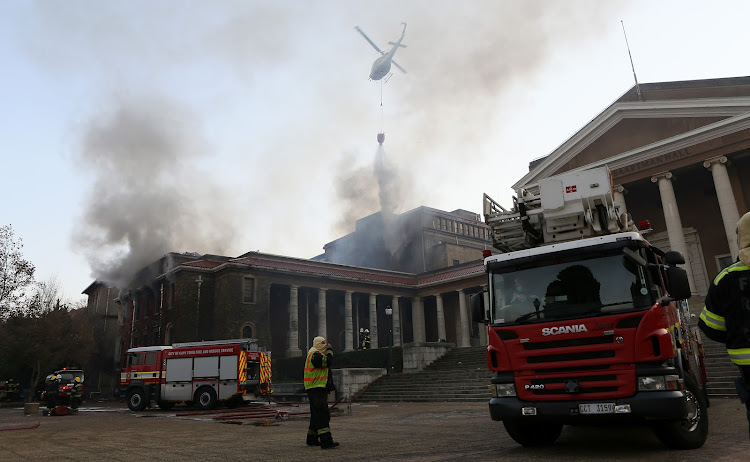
(133, 129)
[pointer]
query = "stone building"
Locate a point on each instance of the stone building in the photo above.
(420, 240)
(284, 302)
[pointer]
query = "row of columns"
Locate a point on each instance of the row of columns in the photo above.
(727, 205)
(418, 320)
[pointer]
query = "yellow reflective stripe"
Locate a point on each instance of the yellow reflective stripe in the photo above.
(713, 320)
(265, 369)
(324, 431)
(739, 266)
(740, 356)
(315, 377)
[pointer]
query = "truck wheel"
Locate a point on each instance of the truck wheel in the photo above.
(691, 431)
(205, 398)
(165, 405)
(136, 400)
(533, 434)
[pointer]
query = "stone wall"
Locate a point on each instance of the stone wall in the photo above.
(417, 356)
(349, 382)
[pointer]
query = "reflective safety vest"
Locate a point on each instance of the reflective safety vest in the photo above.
(315, 377)
(724, 318)
(77, 389)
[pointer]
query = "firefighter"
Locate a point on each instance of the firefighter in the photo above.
(12, 390)
(50, 392)
(75, 394)
(366, 340)
(317, 385)
(726, 316)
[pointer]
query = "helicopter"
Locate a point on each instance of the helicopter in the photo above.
(382, 66)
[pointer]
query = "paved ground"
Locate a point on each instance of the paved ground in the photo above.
(371, 432)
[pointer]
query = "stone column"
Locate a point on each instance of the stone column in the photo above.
(396, 321)
(619, 192)
(673, 221)
(727, 204)
(322, 320)
(465, 340)
(417, 319)
(440, 317)
(348, 329)
(373, 321)
(483, 340)
(294, 349)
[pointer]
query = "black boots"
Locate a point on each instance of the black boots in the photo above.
(326, 441)
(312, 440)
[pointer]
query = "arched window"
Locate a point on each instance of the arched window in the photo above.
(168, 335)
(248, 331)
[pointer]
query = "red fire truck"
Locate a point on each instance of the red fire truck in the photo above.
(587, 322)
(203, 373)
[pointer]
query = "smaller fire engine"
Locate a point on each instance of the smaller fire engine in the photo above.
(204, 373)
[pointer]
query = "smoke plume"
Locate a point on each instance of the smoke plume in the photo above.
(147, 198)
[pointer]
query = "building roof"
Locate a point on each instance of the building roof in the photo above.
(726, 99)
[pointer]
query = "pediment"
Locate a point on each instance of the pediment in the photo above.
(632, 132)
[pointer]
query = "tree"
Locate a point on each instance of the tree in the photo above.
(16, 274)
(44, 337)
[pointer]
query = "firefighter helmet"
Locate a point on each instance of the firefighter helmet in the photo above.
(78, 379)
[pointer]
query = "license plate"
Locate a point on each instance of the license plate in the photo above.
(597, 408)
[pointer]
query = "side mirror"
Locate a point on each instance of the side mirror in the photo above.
(679, 285)
(674, 257)
(477, 308)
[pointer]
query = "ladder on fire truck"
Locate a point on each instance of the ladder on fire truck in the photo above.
(569, 206)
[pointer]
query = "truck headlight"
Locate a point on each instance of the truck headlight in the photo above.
(500, 390)
(658, 383)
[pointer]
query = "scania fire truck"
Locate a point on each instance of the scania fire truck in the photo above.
(587, 321)
(204, 373)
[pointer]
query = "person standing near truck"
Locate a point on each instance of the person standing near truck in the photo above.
(75, 394)
(726, 316)
(317, 385)
(12, 389)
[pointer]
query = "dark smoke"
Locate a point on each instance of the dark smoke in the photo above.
(147, 199)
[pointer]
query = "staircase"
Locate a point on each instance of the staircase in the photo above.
(720, 370)
(459, 375)
(462, 375)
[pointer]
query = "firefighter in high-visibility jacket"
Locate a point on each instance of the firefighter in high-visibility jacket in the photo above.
(726, 316)
(75, 394)
(317, 385)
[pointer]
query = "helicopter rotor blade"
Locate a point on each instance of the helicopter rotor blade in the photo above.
(399, 67)
(368, 40)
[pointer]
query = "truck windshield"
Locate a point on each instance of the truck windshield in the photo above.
(574, 288)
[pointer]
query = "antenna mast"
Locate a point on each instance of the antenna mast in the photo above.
(632, 66)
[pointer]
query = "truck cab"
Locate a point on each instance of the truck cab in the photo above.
(588, 329)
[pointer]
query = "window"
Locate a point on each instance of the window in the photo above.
(168, 335)
(150, 358)
(455, 262)
(134, 359)
(172, 289)
(722, 261)
(248, 290)
(248, 331)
